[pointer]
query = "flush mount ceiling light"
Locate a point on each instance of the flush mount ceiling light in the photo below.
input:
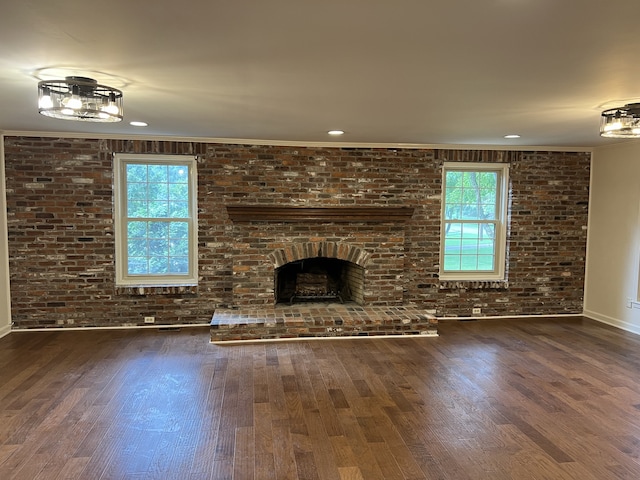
(622, 122)
(81, 99)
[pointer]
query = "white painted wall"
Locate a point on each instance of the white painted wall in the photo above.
(5, 297)
(613, 246)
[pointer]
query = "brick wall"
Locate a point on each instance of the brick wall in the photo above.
(61, 244)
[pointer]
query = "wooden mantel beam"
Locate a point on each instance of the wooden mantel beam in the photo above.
(262, 213)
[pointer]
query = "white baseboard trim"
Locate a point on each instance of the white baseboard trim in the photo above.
(614, 322)
(4, 331)
(507, 317)
(115, 327)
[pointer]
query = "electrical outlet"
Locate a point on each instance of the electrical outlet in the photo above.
(149, 319)
(476, 311)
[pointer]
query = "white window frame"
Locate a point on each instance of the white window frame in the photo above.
(120, 162)
(500, 224)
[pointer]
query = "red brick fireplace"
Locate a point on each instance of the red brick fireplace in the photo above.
(353, 259)
(370, 241)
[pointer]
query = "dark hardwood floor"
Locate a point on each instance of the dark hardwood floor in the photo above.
(518, 399)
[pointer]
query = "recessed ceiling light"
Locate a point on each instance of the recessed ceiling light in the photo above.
(139, 124)
(336, 132)
(512, 136)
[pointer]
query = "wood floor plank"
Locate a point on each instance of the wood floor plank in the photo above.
(386, 463)
(351, 473)
(225, 438)
(72, 469)
(323, 402)
(244, 454)
(321, 446)
(284, 458)
(263, 431)
(210, 413)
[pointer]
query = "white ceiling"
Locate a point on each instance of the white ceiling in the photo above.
(455, 72)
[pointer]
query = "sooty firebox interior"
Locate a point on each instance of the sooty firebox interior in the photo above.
(319, 279)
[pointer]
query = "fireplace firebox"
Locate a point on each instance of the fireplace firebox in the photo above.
(319, 279)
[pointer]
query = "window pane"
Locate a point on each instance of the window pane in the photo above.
(137, 209)
(488, 180)
(178, 230)
(178, 209)
(137, 248)
(469, 196)
(136, 173)
(470, 212)
(137, 229)
(453, 245)
(488, 211)
(179, 265)
(468, 263)
(178, 174)
(488, 232)
(178, 247)
(452, 262)
(159, 209)
(487, 195)
(470, 230)
(138, 266)
(454, 194)
(158, 173)
(136, 191)
(158, 229)
(159, 247)
(453, 230)
(158, 191)
(470, 246)
(158, 265)
(453, 212)
(453, 178)
(179, 191)
(485, 262)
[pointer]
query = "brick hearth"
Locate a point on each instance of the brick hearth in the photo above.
(319, 320)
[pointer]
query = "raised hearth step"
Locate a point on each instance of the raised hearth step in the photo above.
(310, 320)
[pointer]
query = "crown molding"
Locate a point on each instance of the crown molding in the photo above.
(301, 144)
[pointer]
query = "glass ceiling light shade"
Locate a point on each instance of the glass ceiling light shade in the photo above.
(622, 122)
(81, 99)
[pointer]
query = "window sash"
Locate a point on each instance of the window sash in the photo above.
(471, 247)
(172, 230)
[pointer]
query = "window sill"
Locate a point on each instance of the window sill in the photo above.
(144, 290)
(473, 284)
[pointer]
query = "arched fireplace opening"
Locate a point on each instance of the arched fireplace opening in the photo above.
(319, 279)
